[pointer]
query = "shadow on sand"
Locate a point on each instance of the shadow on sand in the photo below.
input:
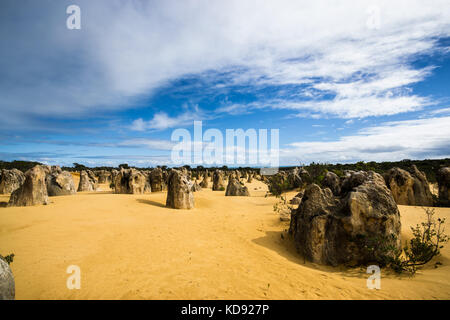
(151, 202)
(90, 193)
(282, 243)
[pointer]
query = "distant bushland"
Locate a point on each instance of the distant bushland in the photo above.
(18, 164)
(428, 166)
(316, 170)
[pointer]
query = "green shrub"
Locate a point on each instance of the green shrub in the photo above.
(9, 258)
(277, 185)
(338, 172)
(319, 179)
(428, 239)
(18, 164)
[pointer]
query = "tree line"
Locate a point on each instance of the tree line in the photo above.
(428, 166)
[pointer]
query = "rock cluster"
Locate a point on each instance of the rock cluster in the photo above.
(326, 227)
(287, 180)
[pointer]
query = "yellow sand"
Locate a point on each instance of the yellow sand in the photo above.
(132, 247)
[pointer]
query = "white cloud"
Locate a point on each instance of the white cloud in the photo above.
(358, 107)
(440, 111)
(147, 143)
(234, 109)
(350, 107)
(388, 141)
(138, 125)
(162, 120)
(126, 50)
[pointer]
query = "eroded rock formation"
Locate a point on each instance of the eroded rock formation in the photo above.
(10, 180)
(293, 179)
(218, 181)
(327, 228)
(409, 188)
(196, 187)
(130, 181)
(7, 285)
(104, 176)
(179, 191)
(236, 188)
(88, 182)
(33, 191)
(443, 179)
(204, 183)
(298, 198)
(157, 180)
(332, 181)
(59, 182)
(305, 176)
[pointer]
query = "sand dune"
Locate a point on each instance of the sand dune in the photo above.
(132, 247)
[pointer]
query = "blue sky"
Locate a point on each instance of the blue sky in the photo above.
(342, 82)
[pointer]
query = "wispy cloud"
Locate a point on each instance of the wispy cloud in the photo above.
(388, 141)
(147, 143)
(162, 120)
(440, 111)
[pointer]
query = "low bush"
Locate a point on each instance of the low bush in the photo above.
(426, 243)
(9, 258)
